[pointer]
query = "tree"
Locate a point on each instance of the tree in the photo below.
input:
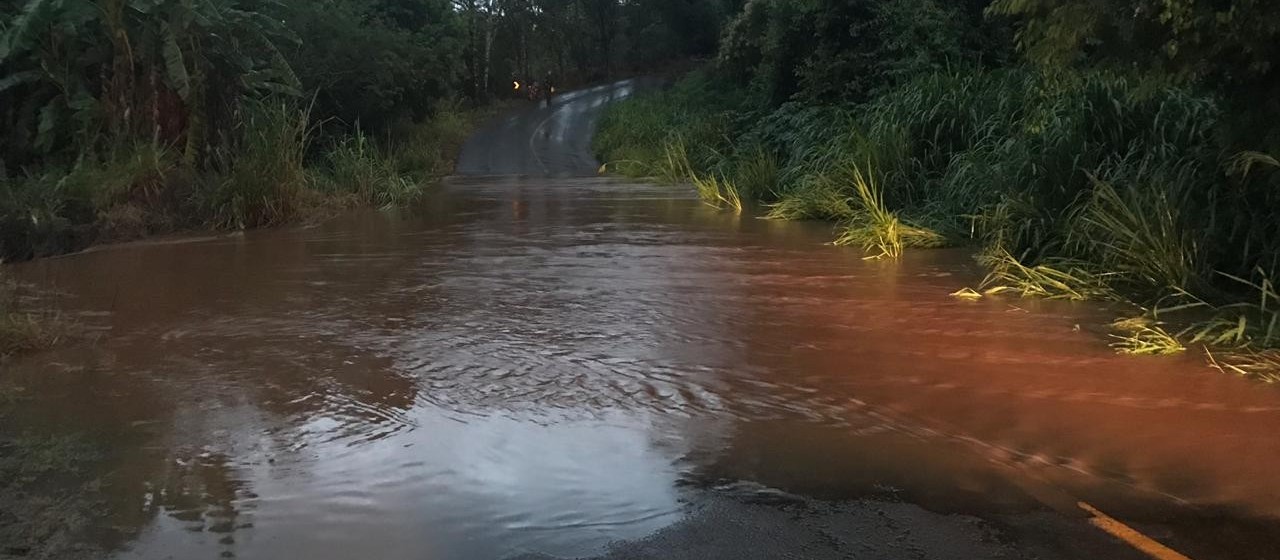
(845, 50)
(1229, 46)
(372, 64)
(1237, 41)
(156, 69)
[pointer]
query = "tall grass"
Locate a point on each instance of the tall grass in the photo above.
(364, 171)
(1245, 324)
(426, 150)
(717, 192)
(756, 173)
(1092, 186)
(121, 194)
(673, 166)
(1144, 337)
(815, 199)
(877, 229)
(1055, 279)
(1139, 232)
(694, 118)
(267, 177)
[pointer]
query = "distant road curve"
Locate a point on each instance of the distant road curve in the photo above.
(544, 140)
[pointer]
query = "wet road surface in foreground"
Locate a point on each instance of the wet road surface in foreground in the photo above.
(579, 367)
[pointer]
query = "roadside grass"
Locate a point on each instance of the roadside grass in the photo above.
(756, 173)
(1262, 365)
(1100, 187)
(1138, 233)
(267, 178)
(370, 176)
(874, 227)
(1058, 279)
(279, 169)
(427, 150)
(813, 200)
(1253, 323)
(1142, 336)
(673, 166)
(717, 192)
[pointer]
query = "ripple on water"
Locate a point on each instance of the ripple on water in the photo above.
(526, 369)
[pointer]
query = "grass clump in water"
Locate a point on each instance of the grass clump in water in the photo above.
(877, 229)
(1263, 365)
(1143, 336)
(816, 199)
(1254, 324)
(42, 515)
(1246, 334)
(717, 192)
(1055, 280)
(25, 327)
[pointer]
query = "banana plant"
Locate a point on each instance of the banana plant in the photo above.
(71, 70)
(44, 61)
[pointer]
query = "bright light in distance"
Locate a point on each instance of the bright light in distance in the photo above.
(515, 86)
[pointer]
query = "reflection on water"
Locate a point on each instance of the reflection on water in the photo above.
(546, 367)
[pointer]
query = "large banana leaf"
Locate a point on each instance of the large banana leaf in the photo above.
(36, 16)
(175, 63)
(51, 118)
(19, 78)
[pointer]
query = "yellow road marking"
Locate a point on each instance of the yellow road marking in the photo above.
(1130, 535)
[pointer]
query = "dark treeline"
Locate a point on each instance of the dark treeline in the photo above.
(120, 118)
(1114, 149)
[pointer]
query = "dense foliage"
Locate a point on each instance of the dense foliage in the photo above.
(1090, 148)
(1229, 47)
(120, 118)
(835, 50)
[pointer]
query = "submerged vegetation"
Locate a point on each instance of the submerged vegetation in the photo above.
(45, 499)
(1142, 336)
(23, 325)
(875, 227)
(1015, 128)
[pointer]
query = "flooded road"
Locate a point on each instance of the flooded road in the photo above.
(576, 367)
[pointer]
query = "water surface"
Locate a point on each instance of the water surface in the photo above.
(550, 365)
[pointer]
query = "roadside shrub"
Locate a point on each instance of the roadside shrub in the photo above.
(266, 179)
(359, 169)
(426, 149)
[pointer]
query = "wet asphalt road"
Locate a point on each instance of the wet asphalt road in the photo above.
(548, 140)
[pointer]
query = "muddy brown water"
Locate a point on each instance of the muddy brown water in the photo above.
(532, 365)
